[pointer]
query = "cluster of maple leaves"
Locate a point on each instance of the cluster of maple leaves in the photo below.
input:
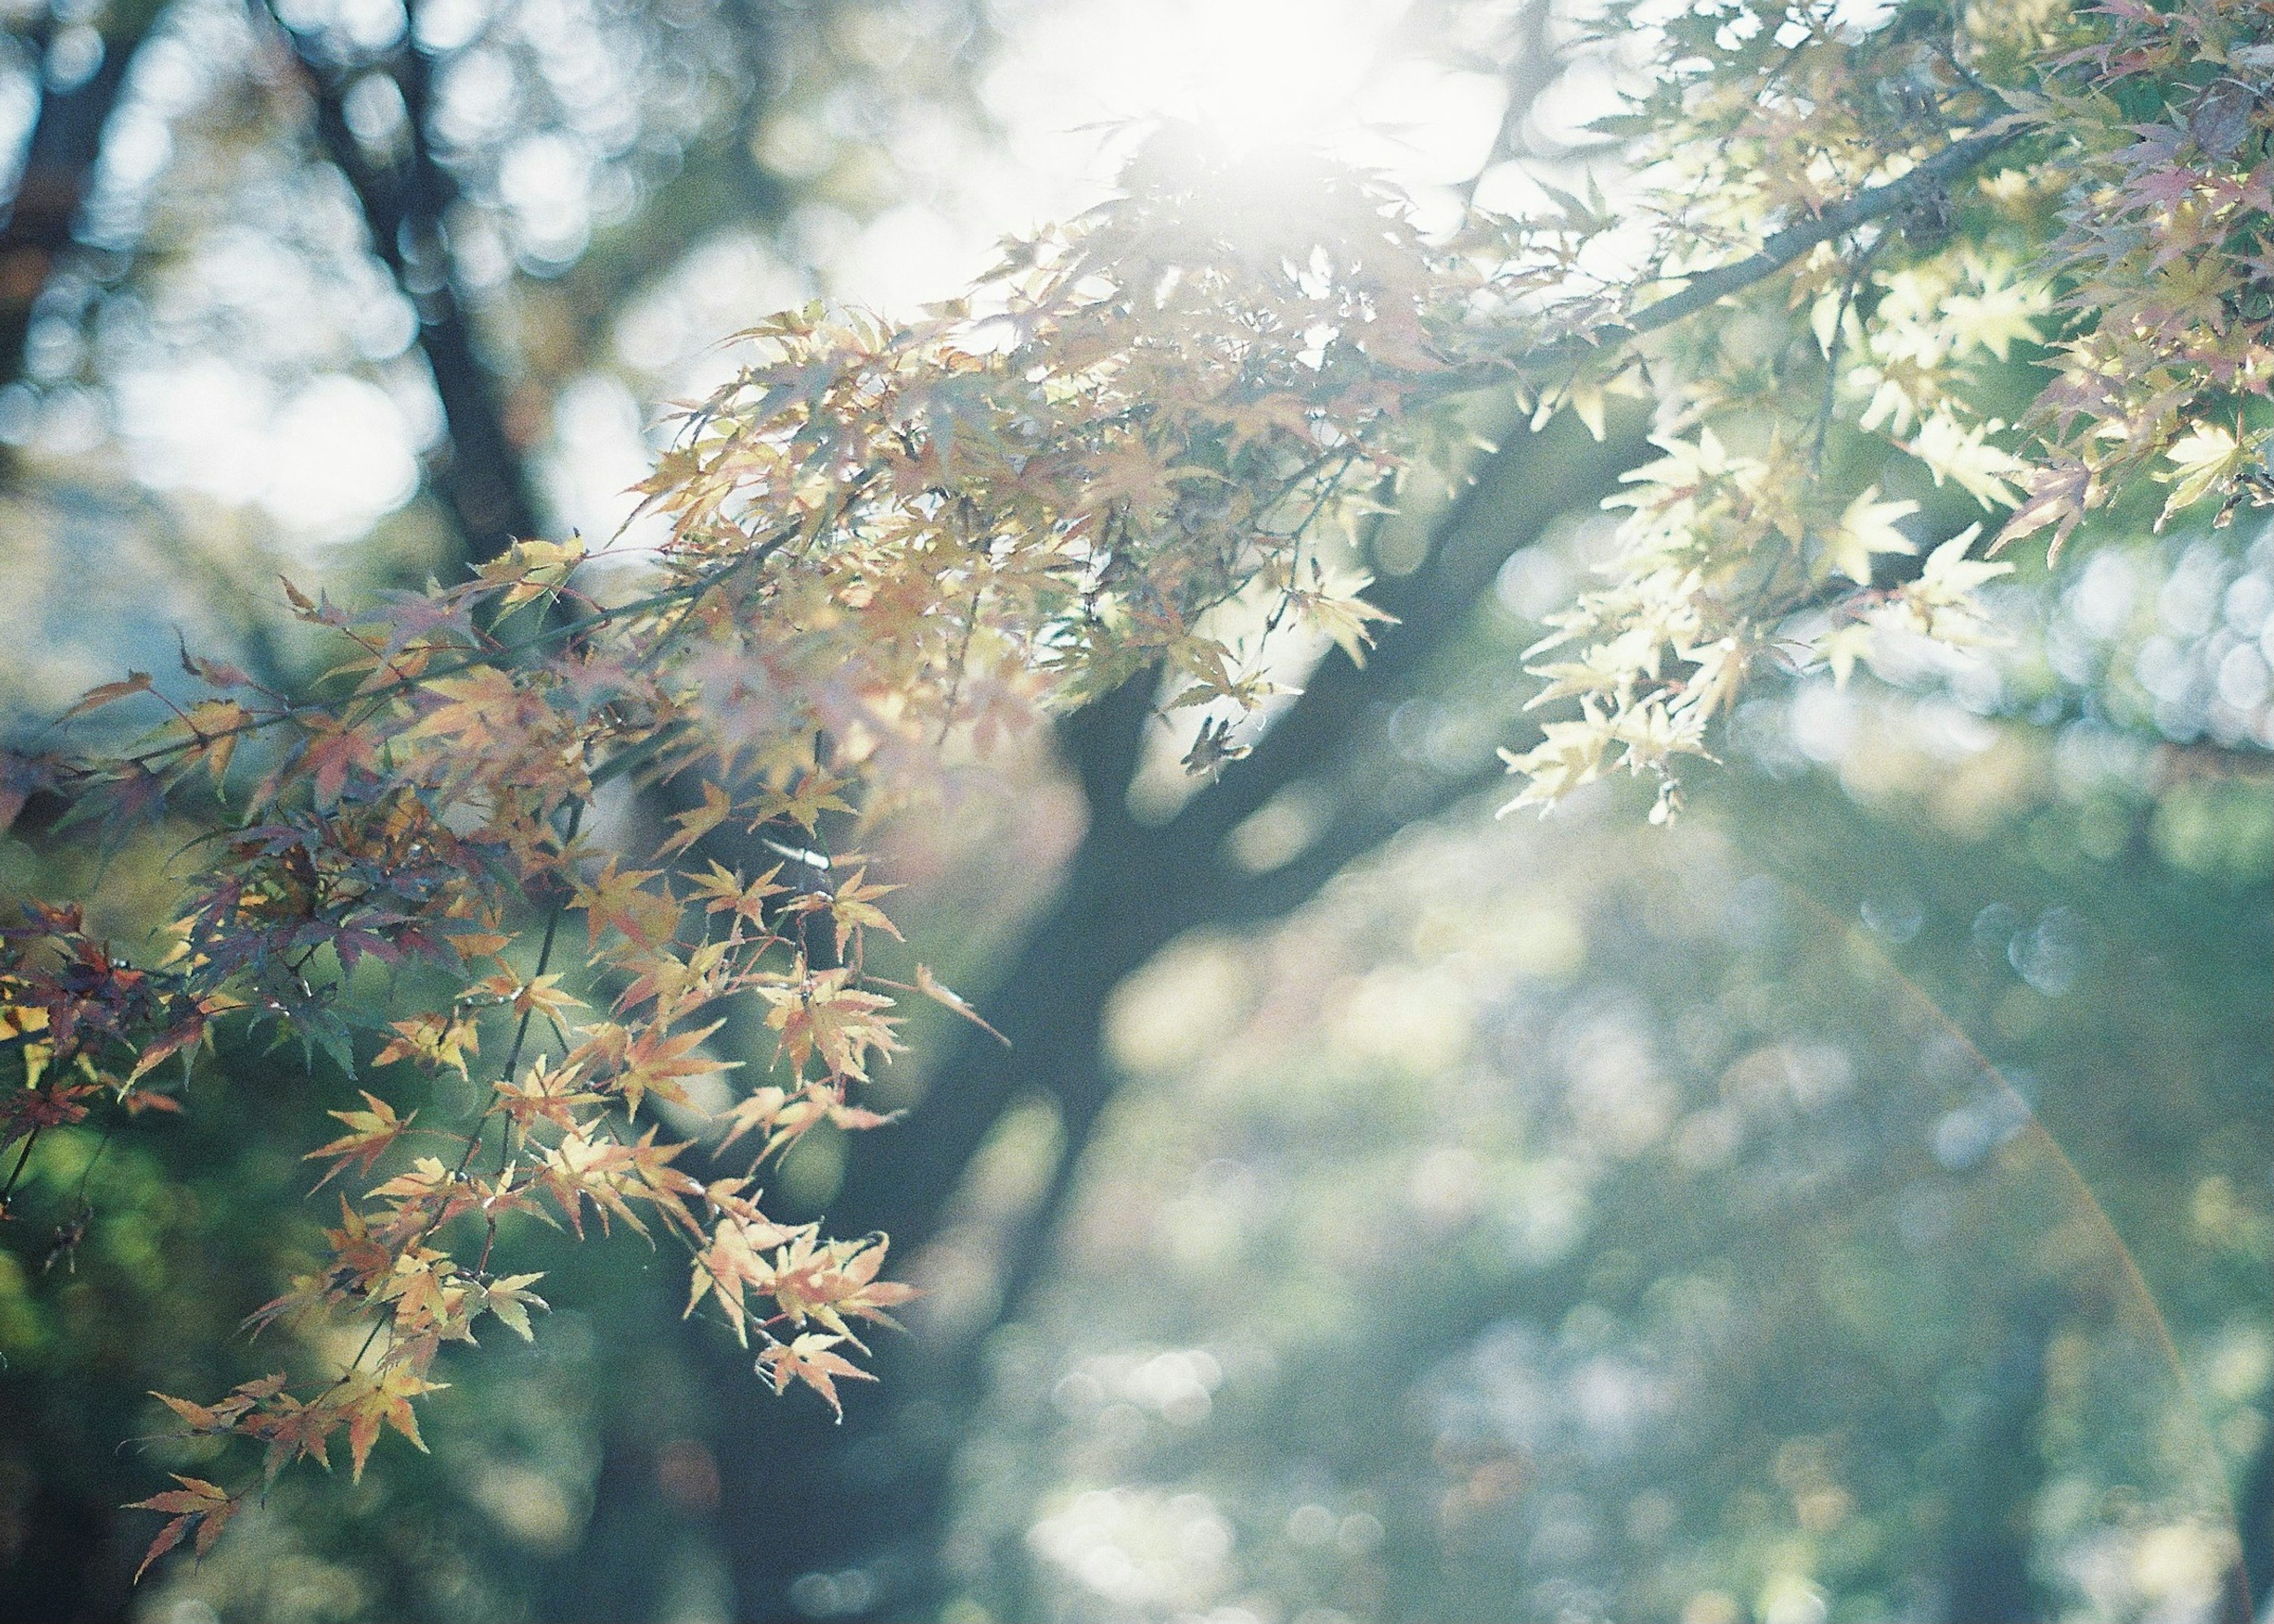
(889, 549)
(1142, 444)
(1893, 215)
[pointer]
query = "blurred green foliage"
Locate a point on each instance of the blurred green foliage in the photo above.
(1570, 1222)
(1853, 1205)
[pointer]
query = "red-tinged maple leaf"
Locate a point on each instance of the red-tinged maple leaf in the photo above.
(697, 822)
(548, 1093)
(216, 724)
(734, 1261)
(604, 1045)
(2058, 495)
(479, 944)
(296, 1431)
(361, 1259)
(423, 623)
(481, 709)
(761, 1108)
(651, 1178)
(658, 1059)
(108, 693)
(440, 1192)
(948, 998)
(674, 984)
(823, 1014)
(318, 611)
(333, 751)
(808, 1359)
(615, 898)
(430, 1041)
(373, 1400)
(824, 1281)
(816, 793)
(538, 995)
(610, 1173)
(198, 1504)
(427, 1297)
(201, 1419)
(857, 1119)
(227, 1415)
(853, 905)
(183, 1034)
(1132, 473)
(369, 1135)
(725, 892)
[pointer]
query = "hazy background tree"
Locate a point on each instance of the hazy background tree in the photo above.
(385, 287)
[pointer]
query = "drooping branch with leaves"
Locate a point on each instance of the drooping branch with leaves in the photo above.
(1137, 451)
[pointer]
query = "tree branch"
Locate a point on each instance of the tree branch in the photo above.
(58, 168)
(1773, 255)
(484, 483)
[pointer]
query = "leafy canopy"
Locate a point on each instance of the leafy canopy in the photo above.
(1141, 443)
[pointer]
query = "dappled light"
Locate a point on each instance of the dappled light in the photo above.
(1092, 812)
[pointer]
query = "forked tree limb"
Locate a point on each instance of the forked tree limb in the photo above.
(484, 479)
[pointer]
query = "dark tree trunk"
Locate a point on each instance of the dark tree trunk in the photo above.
(1994, 1488)
(58, 169)
(873, 1493)
(483, 478)
(2256, 1516)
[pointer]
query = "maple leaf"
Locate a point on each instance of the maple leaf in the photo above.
(509, 1298)
(733, 1262)
(1569, 754)
(481, 709)
(330, 753)
(546, 1093)
(697, 822)
(105, 694)
(611, 1174)
(525, 569)
(816, 793)
(726, 893)
(1866, 528)
(184, 1035)
(763, 1109)
(808, 1359)
(852, 906)
(1843, 648)
(1994, 317)
(1948, 569)
(2201, 463)
(198, 1504)
(615, 898)
(658, 1059)
(430, 1041)
(2058, 494)
(947, 997)
(540, 995)
(370, 1134)
(826, 1281)
(1984, 471)
(1344, 616)
(296, 1431)
(372, 1400)
(201, 1419)
(841, 1022)
(217, 725)
(674, 984)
